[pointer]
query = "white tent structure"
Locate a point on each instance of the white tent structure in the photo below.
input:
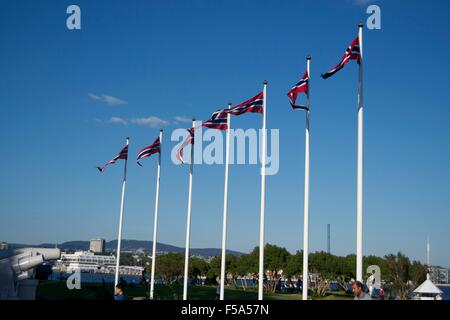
(427, 290)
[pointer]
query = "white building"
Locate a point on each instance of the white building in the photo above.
(427, 291)
(97, 245)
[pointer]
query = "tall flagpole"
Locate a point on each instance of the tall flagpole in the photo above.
(188, 224)
(119, 237)
(306, 196)
(263, 196)
(155, 222)
(359, 196)
(225, 210)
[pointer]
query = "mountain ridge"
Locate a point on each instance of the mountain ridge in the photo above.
(130, 245)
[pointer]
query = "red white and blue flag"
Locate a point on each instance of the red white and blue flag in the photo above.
(219, 120)
(254, 104)
(155, 147)
(123, 154)
(300, 87)
(189, 140)
(352, 53)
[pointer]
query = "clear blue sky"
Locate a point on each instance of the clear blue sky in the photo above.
(188, 58)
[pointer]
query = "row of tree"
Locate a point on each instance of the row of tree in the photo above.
(396, 270)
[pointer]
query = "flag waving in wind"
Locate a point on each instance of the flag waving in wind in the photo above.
(352, 53)
(300, 87)
(218, 120)
(189, 140)
(155, 147)
(254, 104)
(123, 154)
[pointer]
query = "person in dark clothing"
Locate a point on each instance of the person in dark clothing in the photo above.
(279, 286)
(120, 295)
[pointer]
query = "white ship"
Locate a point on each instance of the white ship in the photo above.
(86, 261)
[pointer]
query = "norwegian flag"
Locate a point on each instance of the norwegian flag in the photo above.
(352, 53)
(254, 104)
(300, 87)
(123, 154)
(155, 147)
(219, 120)
(189, 140)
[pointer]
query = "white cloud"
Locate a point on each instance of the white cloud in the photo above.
(182, 119)
(151, 121)
(118, 120)
(109, 100)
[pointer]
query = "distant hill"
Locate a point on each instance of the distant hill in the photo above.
(131, 245)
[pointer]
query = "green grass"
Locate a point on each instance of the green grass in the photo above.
(57, 290)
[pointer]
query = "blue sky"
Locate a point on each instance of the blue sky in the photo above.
(158, 60)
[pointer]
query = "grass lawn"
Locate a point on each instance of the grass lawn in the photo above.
(57, 290)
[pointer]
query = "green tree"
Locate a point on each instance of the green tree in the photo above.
(215, 265)
(417, 273)
(328, 266)
(214, 269)
(275, 260)
(170, 267)
(398, 267)
(294, 265)
(349, 266)
(248, 263)
(197, 267)
(126, 259)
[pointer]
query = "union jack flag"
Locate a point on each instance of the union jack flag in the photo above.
(155, 147)
(352, 53)
(123, 154)
(189, 140)
(254, 104)
(219, 120)
(300, 87)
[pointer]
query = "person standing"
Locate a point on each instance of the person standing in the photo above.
(358, 291)
(217, 288)
(119, 296)
(381, 293)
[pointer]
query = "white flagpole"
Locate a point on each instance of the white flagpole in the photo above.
(155, 222)
(188, 224)
(359, 196)
(306, 196)
(263, 196)
(119, 237)
(225, 210)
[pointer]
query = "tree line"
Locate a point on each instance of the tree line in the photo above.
(397, 270)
